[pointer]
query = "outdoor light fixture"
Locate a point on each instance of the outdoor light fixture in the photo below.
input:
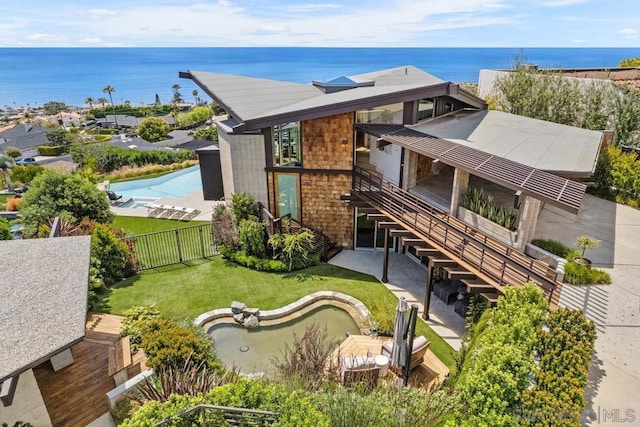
(344, 141)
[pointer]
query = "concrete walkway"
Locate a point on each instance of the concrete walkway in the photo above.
(614, 379)
(407, 278)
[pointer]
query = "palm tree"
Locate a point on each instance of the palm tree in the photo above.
(103, 101)
(177, 96)
(6, 163)
(89, 101)
(195, 95)
(110, 89)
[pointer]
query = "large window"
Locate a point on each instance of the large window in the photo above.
(391, 113)
(287, 195)
(286, 145)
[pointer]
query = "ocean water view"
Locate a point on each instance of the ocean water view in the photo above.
(34, 76)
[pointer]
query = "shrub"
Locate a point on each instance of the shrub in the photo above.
(168, 344)
(223, 227)
(133, 323)
(388, 406)
(5, 229)
(295, 248)
(553, 246)
(13, 152)
(51, 150)
(253, 262)
(106, 158)
(251, 237)
(25, 174)
(565, 352)
(207, 134)
(383, 313)
(304, 361)
(243, 206)
(578, 274)
(499, 359)
(13, 204)
(111, 253)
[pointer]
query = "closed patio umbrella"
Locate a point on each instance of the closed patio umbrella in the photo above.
(398, 349)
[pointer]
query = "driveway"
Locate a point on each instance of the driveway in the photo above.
(614, 379)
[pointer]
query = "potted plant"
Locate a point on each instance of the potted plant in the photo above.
(585, 242)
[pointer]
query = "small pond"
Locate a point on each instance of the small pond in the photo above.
(251, 350)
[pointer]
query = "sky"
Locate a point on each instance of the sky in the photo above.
(331, 23)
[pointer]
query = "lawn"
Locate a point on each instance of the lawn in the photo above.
(141, 225)
(184, 292)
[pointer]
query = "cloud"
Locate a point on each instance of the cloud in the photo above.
(272, 29)
(44, 37)
(310, 7)
(101, 13)
(578, 41)
(562, 3)
(91, 40)
(628, 31)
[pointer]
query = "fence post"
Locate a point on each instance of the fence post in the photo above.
(178, 245)
(201, 241)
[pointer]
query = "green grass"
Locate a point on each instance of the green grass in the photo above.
(141, 225)
(5, 197)
(184, 292)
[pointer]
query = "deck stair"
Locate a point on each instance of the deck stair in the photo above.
(428, 252)
(401, 233)
(377, 217)
(443, 262)
(416, 243)
(475, 286)
(456, 273)
(491, 297)
(490, 260)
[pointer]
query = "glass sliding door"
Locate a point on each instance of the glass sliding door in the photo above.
(288, 195)
(368, 235)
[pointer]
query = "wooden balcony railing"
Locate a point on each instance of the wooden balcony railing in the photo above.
(500, 263)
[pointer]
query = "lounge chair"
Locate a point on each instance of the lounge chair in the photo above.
(113, 196)
(420, 347)
(359, 369)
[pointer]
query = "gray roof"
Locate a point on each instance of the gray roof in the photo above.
(547, 146)
(23, 136)
(44, 299)
(257, 103)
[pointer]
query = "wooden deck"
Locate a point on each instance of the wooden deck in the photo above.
(75, 395)
(430, 374)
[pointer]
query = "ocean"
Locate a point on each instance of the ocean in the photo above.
(34, 76)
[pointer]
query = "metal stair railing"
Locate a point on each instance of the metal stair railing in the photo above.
(500, 262)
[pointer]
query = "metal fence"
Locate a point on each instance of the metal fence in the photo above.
(169, 247)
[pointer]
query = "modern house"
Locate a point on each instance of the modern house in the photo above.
(43, 312)
(388, 156)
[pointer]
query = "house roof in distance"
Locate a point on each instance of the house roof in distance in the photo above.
(43, 306)
(552, 147)
(255, 103)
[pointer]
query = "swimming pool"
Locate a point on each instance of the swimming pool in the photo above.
(251, 350)
(173, 185)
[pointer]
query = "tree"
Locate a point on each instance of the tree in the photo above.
(586, 242)
(55, 107)
(57, 136)
(195, 96)
(177, 96)
(103, 102)
(6, 163)
(153, 129)
(89, 100)
(207, 134)
(630, 62)
(110, 89)
(70, 196)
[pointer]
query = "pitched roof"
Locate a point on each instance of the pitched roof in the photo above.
(552, 147)
(44, 303)
(257, 103)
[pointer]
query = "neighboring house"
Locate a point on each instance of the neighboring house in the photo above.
(24, 136)
(69, 120)
(43, 314)
(128, 122)
(302, 149)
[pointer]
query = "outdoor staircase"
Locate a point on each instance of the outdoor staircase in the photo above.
(463, 251)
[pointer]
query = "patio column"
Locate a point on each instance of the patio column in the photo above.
(410, 169)
(385, 258)
(427, 292)
(529, 210)
(460, 185)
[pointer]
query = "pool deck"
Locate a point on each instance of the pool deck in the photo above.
(193, 200)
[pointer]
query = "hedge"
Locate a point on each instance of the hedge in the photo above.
(51, 150)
